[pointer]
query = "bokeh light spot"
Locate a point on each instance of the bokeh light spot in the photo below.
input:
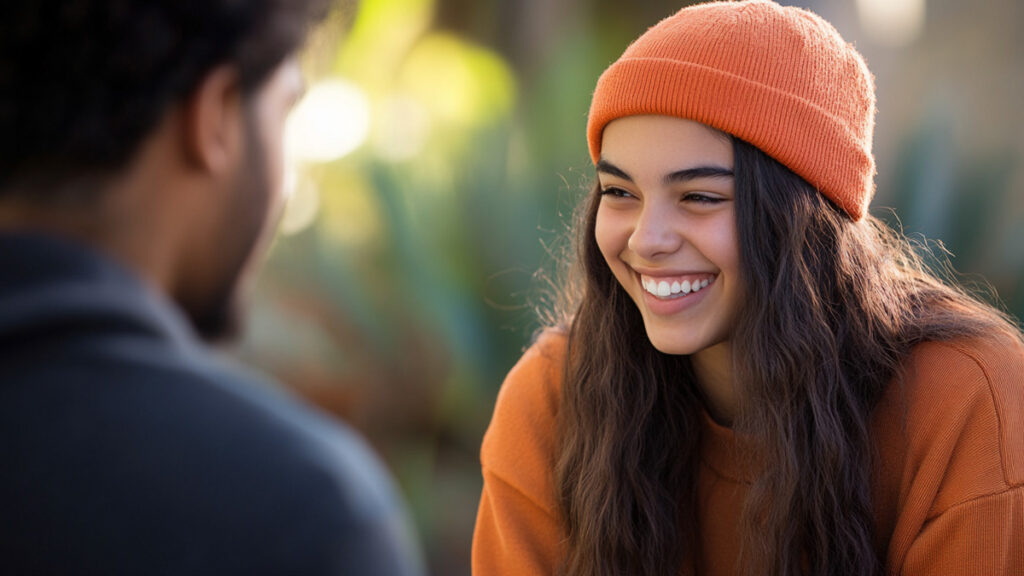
(892, 22)
(331, 121)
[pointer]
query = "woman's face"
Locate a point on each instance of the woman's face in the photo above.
(666, 225)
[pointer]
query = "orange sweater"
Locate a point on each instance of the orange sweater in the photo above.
(949, 494)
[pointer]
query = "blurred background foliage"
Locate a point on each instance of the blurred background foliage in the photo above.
(440, 148)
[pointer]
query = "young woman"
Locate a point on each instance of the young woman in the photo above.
(755, 376)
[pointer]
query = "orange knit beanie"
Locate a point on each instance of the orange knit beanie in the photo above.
(778, 77)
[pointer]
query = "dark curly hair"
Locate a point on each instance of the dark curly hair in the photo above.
(82, 82)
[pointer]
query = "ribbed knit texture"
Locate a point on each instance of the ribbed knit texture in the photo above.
(947, 490)
(778, 77)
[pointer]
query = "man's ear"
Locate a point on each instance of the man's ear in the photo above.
(213, 122)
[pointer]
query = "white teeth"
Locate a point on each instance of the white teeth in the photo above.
(665, 288)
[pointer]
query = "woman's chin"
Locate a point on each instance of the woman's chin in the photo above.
(672, 344)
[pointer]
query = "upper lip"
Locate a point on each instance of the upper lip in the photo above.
(661, 273)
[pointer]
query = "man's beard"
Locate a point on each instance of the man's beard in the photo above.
(219, 320)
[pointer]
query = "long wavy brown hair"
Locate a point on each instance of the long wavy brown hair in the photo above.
(832, 309)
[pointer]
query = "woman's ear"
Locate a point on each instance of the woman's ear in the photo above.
(213, 122)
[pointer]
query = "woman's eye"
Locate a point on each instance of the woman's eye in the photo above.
(615, 193)
(702, 198)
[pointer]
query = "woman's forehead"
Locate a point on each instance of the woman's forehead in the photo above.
(664, 143)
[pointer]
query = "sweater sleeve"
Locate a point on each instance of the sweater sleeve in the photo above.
(962, 482)
(517, 527)
(981, 536)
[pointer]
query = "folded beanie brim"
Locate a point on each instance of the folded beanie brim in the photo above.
(807, 139)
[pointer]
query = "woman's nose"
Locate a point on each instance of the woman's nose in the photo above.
(655, 232)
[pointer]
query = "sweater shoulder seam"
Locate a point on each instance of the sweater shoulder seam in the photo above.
(975, 499)
(1003, 459)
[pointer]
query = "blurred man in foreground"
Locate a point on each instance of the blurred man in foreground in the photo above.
(140, 166)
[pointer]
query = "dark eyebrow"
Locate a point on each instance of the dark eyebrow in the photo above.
(698, 172)
(612, 170)
(676, 177)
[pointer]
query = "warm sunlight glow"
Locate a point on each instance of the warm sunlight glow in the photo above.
(892, 22)
(330, 122)
(302, 208)
(401, 129)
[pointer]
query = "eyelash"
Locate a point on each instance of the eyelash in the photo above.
(702, 198)
(697, 197)
(615, 192)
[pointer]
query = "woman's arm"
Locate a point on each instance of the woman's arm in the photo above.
(959, 482)
(981, 536)
(517, 526)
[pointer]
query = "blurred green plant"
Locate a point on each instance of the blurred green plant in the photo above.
(396, 295)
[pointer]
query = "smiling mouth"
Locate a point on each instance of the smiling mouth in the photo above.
(669, 288)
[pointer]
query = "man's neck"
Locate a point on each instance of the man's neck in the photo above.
(94, 224)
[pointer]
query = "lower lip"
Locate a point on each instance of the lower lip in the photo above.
(670, 306)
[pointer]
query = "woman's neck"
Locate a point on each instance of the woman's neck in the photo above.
(713, 368)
